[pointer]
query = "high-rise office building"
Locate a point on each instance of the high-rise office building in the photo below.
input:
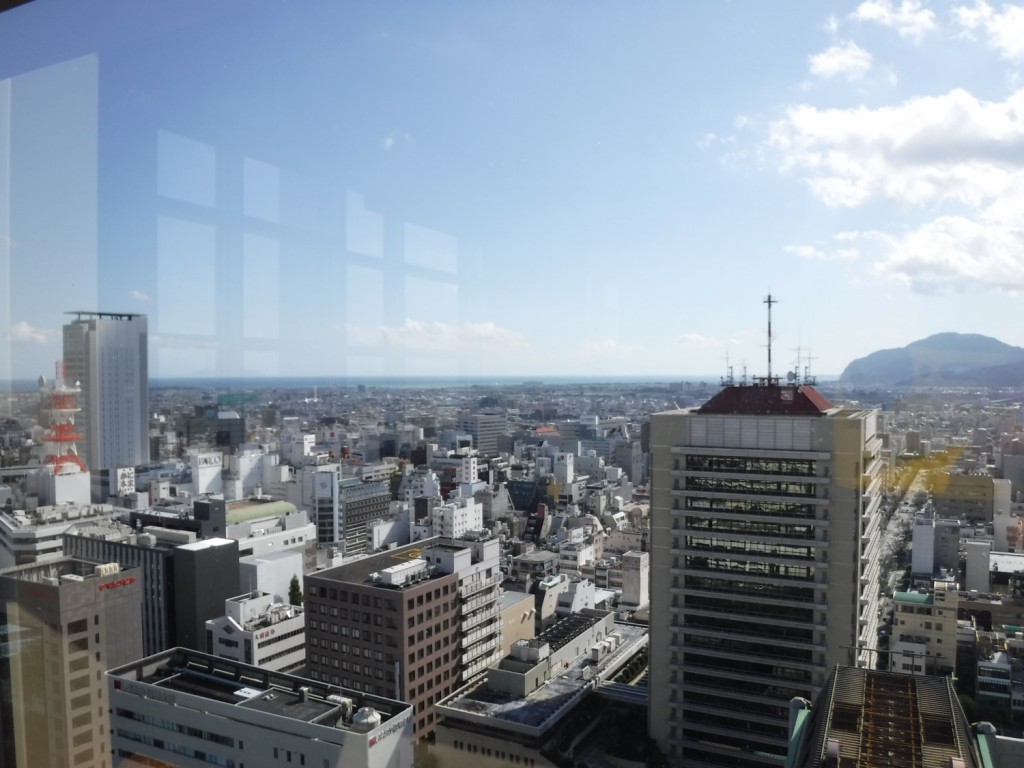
(485, 428)
(764, 565)
(107, 354)
(63, 623)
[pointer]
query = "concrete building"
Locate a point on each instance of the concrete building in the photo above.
(485, 428)
(924, 630)
(259, 631)
(451, 520)
(65, 622)
(193, 710)
(636, 581)
(517, 619)
(203, 571)
(936, 544)
(386, 624)
(184, 581)
(974, 496)
(765, 555)
(415, 622)
(344, 508)
(108, 354)
(512, 715)
(34, 536)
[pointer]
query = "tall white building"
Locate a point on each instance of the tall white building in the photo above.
(764, 565)
(107, 354)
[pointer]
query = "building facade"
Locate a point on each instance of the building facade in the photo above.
(764, 565)
(108, 354)
(346, 507)
(256, 630)
(65, 622)
(485, 429)
(414, 623)
(193, 710)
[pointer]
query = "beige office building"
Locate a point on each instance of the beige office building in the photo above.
(63, 624)
(764, 565)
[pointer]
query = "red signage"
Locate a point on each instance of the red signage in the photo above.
(117, 584)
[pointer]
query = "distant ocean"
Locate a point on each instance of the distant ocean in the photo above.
(387, 382)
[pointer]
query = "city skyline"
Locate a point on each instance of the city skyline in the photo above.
(527, 191)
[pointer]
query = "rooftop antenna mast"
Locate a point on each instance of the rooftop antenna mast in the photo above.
(728, 381)
(808, 379)
(769, 301)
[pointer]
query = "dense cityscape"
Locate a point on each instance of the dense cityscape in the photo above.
(511, 385)
(678, 573)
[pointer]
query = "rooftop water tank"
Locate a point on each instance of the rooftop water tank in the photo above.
(366, 719)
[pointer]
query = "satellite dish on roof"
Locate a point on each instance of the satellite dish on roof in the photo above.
(791, 377)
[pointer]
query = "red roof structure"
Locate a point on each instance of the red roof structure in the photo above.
(768, 400)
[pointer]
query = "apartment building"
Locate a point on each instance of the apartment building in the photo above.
(924, 630)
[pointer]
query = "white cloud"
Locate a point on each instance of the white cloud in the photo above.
(910, 18)
(1003, 29)
(845, 59)
(962, 253)
(957, 158)
(393, 138)
(436, 336)
(925, 150)
(23, 332)
(814, 253)
(140, 296)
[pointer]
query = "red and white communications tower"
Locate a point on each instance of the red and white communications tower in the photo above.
(60, 405)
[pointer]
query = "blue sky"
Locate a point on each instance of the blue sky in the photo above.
(510, 188)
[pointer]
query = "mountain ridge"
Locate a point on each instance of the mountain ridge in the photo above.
(942, 359)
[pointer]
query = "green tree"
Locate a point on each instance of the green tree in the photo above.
(295, 591)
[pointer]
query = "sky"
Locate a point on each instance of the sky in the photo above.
(510, 189)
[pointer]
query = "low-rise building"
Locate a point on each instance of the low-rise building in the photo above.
(256, 630)
(30, 536)
(186, 708)
(511, 715)
(924, 630)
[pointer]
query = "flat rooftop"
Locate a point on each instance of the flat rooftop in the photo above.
(537, 711)
(360, 571)
(248, 687)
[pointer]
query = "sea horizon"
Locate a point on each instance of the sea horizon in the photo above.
(387, 382)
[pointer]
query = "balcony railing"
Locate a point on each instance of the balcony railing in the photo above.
(472, 587)
(476, 651)
(469, 622)
(475, 603)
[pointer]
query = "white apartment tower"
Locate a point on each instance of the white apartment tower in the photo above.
(764, 565)
(107, 354)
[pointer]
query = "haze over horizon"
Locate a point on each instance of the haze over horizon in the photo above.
(510, 191)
